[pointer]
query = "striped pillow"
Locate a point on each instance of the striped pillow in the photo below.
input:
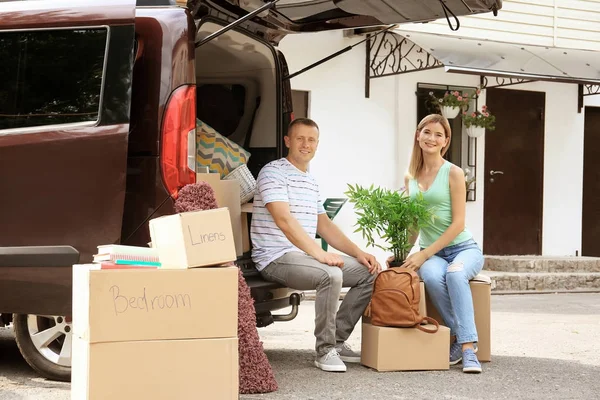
(215, 151)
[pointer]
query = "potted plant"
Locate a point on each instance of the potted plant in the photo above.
(477, 122)
(453, 101)
(391, 215)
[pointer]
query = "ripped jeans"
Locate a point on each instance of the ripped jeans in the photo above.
(446, 276)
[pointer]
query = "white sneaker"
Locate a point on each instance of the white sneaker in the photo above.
(347, 354)
(330, 362)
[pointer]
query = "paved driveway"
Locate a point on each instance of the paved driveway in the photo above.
(543, 346)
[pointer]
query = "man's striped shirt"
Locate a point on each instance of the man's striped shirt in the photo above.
(279, 180)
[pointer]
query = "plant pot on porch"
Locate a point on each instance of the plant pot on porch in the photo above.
(449, 112)
(475, 131)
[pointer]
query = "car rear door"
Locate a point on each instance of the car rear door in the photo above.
(287, 16)
(64, 119)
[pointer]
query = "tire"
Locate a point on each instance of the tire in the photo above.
(45, 343)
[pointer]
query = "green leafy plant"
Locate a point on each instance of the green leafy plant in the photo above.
(482, 119)
(389, 214)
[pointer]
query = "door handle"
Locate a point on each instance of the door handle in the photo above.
(492, 172)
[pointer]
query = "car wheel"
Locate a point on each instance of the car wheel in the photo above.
(45, 343)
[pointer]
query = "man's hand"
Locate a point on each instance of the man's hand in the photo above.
(330, 259)
(369, 261)
(415, 260)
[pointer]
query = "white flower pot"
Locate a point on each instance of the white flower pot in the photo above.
(450, 112)
(475, 131)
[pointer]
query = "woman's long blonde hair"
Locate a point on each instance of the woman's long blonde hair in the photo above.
(416, 159)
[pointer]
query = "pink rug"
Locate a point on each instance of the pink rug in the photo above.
(256, 374)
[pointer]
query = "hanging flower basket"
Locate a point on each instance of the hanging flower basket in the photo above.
(451, 104)
(450, 112)
(475, 131)
(478, 121)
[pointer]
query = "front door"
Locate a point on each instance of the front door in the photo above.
(514, 166)
(590, 227)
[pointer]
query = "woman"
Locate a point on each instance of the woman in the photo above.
(449, 257)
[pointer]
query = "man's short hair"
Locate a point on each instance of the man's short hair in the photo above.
(302, 121)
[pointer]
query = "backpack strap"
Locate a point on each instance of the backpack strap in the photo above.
(431, 321)
(367, 312)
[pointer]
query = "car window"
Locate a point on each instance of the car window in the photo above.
(221, 106)
(51, 77)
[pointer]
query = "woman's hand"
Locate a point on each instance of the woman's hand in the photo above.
(389, 260)
(415, 260)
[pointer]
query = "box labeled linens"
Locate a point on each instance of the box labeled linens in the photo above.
(227, 194)
(154, 304)
(481, 290)
(404, 349)
(156, 370)
(193, 239)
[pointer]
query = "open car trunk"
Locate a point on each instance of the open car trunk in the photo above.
(239, 92)
(241, 95)
(288, 16)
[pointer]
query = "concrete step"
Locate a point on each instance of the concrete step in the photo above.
(531, 264)
(532, 282)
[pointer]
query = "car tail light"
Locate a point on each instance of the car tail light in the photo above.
(178, 144)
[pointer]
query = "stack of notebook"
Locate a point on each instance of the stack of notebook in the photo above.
(112, 256)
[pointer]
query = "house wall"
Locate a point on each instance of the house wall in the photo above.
(364, 141)
(561, 23)
(368, 141)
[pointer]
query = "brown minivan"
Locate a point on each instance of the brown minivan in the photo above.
(98, 108)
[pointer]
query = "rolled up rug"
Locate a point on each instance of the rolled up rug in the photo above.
(256, 374)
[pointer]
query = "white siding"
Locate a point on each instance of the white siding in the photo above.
(578, 24)
(561, 23)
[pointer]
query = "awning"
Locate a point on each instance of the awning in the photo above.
(493, 58)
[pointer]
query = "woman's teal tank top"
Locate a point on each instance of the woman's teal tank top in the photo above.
(438, 196)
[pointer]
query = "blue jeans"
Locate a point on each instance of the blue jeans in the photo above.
(446, 276)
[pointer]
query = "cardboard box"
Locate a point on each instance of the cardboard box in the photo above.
(246, 246)
(404, 349)
(422, 301)
(193, 239)
(227, 194)
(154, 304)
(155, 370)
(481, 290)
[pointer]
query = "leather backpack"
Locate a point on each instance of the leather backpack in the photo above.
(395, 300)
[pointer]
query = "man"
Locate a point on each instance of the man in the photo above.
(287, 214)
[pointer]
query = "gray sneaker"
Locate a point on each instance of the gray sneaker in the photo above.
(330, 362)
(347, 354)
(456, 353)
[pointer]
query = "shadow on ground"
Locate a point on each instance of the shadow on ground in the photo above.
(504, 378)
(15, 372)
